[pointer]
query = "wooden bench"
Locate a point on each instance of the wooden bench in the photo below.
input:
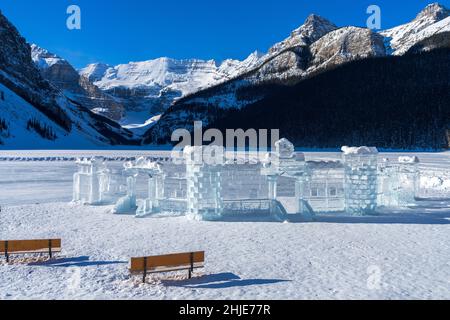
(168, 263)
(50, 246)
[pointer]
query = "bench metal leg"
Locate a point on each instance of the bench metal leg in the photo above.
(6, 252)
(145, 270)
(192, 266)
(50, 249)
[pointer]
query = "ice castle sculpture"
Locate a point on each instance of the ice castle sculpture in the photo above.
(210, 185)
(91, 181)
(128, 203)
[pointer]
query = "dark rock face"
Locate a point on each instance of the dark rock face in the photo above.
(18, 73)
(312, 30)
(345, 45)
(62, 75)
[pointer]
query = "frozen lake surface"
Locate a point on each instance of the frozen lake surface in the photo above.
(397, 255)
(29, 182)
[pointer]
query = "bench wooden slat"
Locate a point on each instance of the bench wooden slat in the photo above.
(167, 262)
(170, 269)
(30, 246)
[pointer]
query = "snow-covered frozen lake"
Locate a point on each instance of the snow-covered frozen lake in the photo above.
(30, 182)
(397, 255)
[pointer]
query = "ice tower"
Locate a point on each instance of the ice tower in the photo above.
(204, 182)
(360, 185)
(91, 181)
(408, 180)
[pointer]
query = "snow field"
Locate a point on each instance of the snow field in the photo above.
(328, 259)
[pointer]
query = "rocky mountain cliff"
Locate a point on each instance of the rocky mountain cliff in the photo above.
(432, 20)
(314, 28)
(35, 114)
(61, 74)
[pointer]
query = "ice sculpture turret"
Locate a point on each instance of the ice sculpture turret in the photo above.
(360, 185)
(388, 185)
(204, 182)
(285, 162)
(91, 180)
(408, 180)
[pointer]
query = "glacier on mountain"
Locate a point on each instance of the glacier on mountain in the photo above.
(148, 88)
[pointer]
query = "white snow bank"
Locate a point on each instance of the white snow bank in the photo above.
(410, 160)
(359, 150)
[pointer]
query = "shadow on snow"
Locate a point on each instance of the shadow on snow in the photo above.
(82, 261)
(219, 281)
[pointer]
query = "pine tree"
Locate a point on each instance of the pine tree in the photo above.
(44, 131)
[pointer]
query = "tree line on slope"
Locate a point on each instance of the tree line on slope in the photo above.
(392, 102)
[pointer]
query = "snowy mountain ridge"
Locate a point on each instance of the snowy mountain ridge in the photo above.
(148, 88)
(317, 46)
(185, 75)
(43, 58)
(431, 20)
(152, 98)
(61, 74)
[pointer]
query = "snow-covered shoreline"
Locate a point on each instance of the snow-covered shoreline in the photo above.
(124, 154)
(333, 258)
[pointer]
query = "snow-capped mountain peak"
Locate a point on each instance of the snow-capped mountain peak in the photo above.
(232, 68)
(313, 29)
(433, 11)
(43, 58)
(95, 71)
(37, 113)
(430, 21)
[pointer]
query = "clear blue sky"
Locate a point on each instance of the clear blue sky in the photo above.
(116, 31)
